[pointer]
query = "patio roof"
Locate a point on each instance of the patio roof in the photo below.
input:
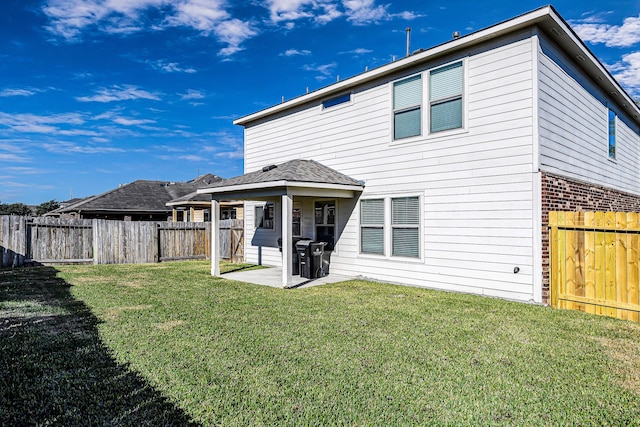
(296, 177)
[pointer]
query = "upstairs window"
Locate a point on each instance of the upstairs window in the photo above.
(337, 100)
(445, 97)
(372, 226)
(407, 107)
(612, 135)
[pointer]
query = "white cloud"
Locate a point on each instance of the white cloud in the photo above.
(171, 67)
(593, 30)
(358, 51)
(64, 147)
(18, 92)
(323, 70)
(294, 52)
(233, 32)
(32, 123)
(70, 19)
(13, 158)
(361, 12)
(119, 93)
(130, 122)
(192, 94)
(627, 73)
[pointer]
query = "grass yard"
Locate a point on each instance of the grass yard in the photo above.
(167, 344)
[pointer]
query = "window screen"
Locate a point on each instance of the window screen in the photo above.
(405, 227)
(407, 103)
(372, 226)
(445, 97)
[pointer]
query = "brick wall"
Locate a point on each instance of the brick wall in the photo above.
(564, 194)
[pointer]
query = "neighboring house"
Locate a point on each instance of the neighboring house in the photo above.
(196, 207)
(140, 200)
(455, 155)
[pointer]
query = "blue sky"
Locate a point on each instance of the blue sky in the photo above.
(96, 93)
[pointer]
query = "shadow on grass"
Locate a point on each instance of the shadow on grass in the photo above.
(54, 368)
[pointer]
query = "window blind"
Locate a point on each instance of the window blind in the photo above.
(407, 93)
(446, 115)
(405, 211)
(372, 226)
(405, 221)
(445, 96)
(446, 82)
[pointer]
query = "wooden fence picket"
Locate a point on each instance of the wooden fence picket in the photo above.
(595, 262)
(27, 241)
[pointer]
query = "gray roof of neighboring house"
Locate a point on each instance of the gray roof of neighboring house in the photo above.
(140, 196)
(291, 171)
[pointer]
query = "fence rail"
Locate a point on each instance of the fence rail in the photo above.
(25, 240)
(595, 262)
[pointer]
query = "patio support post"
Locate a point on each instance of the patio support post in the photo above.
(215, 238)
(287, 250)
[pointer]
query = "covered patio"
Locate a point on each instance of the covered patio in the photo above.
(280, 184)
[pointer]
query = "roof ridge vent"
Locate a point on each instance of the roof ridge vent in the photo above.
(268, 168)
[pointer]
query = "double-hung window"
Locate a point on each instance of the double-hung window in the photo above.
(405, 227)
(402, 227)
(407, 107)
(445, 97)
(372, 226)
(612, 135)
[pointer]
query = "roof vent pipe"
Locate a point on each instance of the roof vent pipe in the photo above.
(408, 30)
(456, 35)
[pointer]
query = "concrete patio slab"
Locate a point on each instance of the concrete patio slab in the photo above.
(272, 276)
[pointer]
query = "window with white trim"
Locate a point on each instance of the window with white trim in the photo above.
(407, 107)
(445, 97)
(264, 216)
(372, 226)
(405, 227)
(402, 226)
(612, 134)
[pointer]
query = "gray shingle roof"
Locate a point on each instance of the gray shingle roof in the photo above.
(141, 196)
(291, 171)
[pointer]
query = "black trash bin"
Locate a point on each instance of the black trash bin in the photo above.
(316, 250)
(304, 258)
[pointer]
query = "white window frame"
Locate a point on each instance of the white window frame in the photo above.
(430, 103)
(395, 111)
(373, 225)
(426, 133)
(388, 228)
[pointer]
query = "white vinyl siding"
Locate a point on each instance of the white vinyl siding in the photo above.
(372, 226)
(407, 107)
(574, 127)
(445, 97)
(475, 187)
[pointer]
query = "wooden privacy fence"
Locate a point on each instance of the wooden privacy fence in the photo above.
(26, 241)
(595, 262)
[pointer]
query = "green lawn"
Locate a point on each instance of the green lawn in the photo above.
(167, 344)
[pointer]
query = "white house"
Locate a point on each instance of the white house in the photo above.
(439, 169)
